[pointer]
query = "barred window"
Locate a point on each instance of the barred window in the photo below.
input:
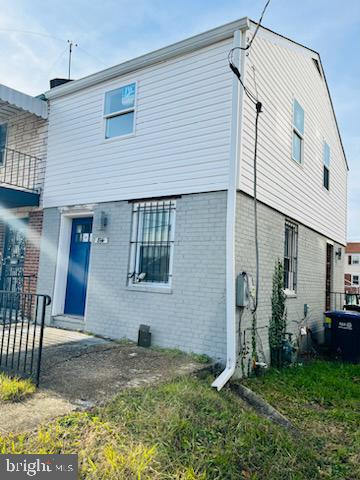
(152, 242)
(290, 256)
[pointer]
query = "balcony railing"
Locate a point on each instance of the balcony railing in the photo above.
(21, 170)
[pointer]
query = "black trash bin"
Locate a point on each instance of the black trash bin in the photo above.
(344, 338)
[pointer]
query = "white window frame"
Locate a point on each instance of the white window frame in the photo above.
(291, 289)
(136, 234)
(120, 112)
(295, 131)
(353, 257)
(352, 280)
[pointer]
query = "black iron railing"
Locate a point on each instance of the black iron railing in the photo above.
(22, 318)
(21, 170)
(19, 283)
(342, 300)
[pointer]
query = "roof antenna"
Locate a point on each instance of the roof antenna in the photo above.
(71, 45)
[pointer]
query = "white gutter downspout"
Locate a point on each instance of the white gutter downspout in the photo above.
(236, 122)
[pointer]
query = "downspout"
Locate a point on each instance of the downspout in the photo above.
(236, 122)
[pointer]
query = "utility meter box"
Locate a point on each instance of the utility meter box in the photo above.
(242, 291)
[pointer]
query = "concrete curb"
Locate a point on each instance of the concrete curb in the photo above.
(263, 407)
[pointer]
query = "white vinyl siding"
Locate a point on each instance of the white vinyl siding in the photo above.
(284, 72)
(182, 140)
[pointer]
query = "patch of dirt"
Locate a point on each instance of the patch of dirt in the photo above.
(97, 372)
(89, 371)
(27, 415)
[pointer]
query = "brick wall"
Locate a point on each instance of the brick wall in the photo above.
(32, 251)
(192, 316)
(311, 268)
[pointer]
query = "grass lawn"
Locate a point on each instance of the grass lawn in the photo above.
(15, 389)
(322, 399)
(187, 431)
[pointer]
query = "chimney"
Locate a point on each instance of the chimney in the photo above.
(56, 82)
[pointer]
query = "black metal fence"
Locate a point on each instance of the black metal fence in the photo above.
(21, 170)
(343, 300)
(19, 283)
(22, 317)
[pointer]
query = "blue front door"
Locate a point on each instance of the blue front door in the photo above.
(78, 266)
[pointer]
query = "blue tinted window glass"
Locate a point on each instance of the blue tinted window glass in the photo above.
(326, 155)
(120, 99)
(298, 117)
(296, 147)
(120, 125)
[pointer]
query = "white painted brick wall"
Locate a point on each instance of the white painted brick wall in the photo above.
(311, 267)
(192, 317)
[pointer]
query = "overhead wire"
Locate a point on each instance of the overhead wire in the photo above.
(253, 97)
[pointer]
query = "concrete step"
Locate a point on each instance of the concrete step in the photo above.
(68, 323)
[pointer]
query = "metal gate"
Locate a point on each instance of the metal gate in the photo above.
(12, 271)
(22, 319)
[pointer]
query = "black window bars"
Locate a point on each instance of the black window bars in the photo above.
(152, 242)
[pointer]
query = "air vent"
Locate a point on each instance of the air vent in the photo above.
(317, 65)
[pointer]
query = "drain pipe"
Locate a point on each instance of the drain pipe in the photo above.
(236, 121)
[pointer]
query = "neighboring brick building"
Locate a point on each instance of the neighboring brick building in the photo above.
(23, 148)
(352, 267)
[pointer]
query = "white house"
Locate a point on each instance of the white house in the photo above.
(352, 267)
(148, 200)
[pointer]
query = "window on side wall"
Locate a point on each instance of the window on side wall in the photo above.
(355, 279)
(298, 133)
(326, 161)
(355, 260)
(152, 243)
(290, 257)
(119, 111)
(3, 138)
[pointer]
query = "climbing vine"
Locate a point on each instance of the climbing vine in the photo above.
(278, 320)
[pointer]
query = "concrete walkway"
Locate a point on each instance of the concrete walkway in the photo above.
(81, 371)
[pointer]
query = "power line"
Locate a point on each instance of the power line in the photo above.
(29, 32)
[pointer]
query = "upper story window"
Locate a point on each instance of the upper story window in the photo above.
(355, 279)
(152, 242)
(353, 259)
(326, 161)
(119, 111)
(290, 256)
(3, 137)
(298, 132)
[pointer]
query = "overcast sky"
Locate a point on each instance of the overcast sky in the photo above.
(111, 31)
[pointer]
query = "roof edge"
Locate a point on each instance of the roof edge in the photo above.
(23, 101)
(188, 45)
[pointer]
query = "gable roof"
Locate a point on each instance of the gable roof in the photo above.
(316, 54)
(188, 45)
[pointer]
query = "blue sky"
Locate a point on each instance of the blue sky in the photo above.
(110, 31)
